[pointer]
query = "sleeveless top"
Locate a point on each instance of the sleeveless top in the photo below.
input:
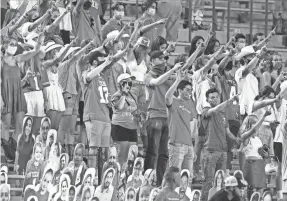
(251, 149)
(137, 70)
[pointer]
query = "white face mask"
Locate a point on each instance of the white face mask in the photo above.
(241, 45)
(12, 49)
(151, 11)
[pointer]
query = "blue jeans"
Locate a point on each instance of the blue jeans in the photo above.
(181, 156)
(157, 150)
(212, 161)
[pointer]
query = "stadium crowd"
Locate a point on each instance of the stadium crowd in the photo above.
(154, 127)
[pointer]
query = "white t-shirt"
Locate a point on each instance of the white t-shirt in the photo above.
(248, 87)
(251, 149)
(201, 86)
(282, 117)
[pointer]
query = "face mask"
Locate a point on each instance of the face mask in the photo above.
(119, 14)
(12, 49)
(241, 45)
(277, 65)
(159, 69)
(151, 11)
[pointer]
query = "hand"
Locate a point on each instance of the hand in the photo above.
(127, 27)
(29, 73)
(68, 9)
(238, 140)
(232, 40)
(272, 33)
(219, 52)
(232, 52)
(41, 39)
(177, 66)
(16, 167)
(49, 12)
(74, 42)
(162, 21)
(109, 60)
(235, 97)
(267, 113)
(171, 47)
(139, 25)
(29, 175)
(180, 75)
(264, 50)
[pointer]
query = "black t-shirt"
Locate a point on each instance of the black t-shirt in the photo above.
(222, 196)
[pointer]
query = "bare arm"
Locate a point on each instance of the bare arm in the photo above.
(161, 79)
(52, 62)
(192, 57)
(55, 24)
(18, 24)
(169, 94)
(249, 133)
(211, 62)
(79, 5)
(120, 103)
(221, 106)
(277, 81)
(39, 21)
(149, 27)
(261, 104)
(266, 40)
(93, 73)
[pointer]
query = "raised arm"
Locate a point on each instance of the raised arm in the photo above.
(192, 57)
(79, 5)
(253, 63)
(211, 61)
(169, 94)
(39, 21)
(122, 32)
(149, 27)
(18, 24)
(93, 73)
(29, 54)
(266, 40)
(221, 106)
(161, 79)
(250, 132)
(55, 24)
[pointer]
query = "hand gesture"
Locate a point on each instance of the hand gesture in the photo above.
(162, 21)
(235, 97)
(267, 113)
(180, 75)
(29, 73)
(177, 66)
(109, 59)
(238, 140)
(74, 42)
(272, 33)
(16, 167)
(68, 9)
(126, 27)
(139, 25)
(220, 51)
(126, 88)
(232, 52)
(49, 12)
(171, 47)
(264, 50)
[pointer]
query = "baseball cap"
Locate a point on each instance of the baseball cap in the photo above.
(51, 46)
(143, 41)
(125, 76)
(158, 54)
(248, 50)
(231, 181)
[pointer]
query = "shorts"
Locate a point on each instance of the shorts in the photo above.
(98, 133)
(121, 134)
(278, 150)
(35, 104)
(71, 103)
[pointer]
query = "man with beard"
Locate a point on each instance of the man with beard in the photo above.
(157, 79)
(113, 163)
(86, 22)
(105, 191)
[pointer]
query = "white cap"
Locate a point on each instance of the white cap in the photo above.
(231, 181)
(248, 50)
(125, 76)
(51, 46)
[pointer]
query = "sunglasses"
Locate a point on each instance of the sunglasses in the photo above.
(45, 128)
(130, 196)
(129, 83)
(112, 157)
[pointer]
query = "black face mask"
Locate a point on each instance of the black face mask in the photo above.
(87, 5)
(159, 69)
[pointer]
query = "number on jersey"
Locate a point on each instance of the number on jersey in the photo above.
(104, 94)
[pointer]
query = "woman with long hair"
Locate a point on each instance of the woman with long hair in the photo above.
(24, 146)
(44, 128)
(218, 183)
(195, 42)
(254, 171)
(34, 166)
(212, 46)
(14, 103)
